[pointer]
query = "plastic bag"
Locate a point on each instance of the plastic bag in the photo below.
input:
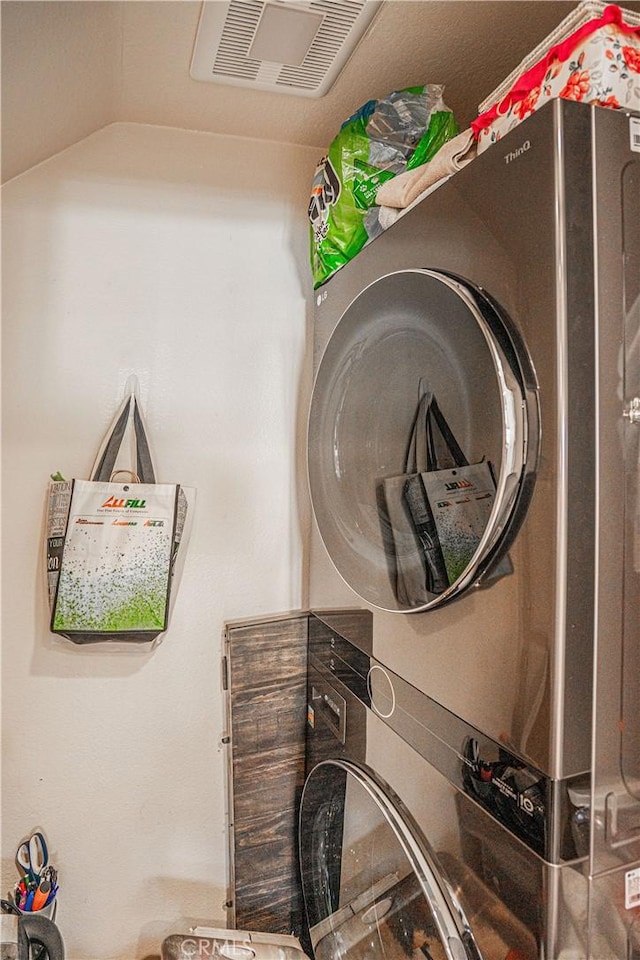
(384, 138)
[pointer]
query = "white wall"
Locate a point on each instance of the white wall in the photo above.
(180, 257)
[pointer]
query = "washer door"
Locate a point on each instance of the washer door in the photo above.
(371, 886)
(412, 333)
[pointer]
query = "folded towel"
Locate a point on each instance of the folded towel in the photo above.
(387, 216)
(406, 187)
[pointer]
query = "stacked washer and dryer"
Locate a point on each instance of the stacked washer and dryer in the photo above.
(478, 790)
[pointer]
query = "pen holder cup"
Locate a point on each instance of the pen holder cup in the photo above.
(49, 911)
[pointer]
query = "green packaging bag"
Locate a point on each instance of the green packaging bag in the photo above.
(384, 138)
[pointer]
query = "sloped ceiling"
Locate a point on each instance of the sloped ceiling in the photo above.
(71, 67)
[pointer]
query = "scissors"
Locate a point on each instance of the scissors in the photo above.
(32, 856)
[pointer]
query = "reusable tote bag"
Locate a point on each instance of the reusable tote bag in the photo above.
(419, 570)
(455, 495)
(111, 551)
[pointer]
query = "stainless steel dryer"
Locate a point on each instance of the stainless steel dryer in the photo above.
(513, 293)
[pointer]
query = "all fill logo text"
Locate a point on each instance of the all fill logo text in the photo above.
(115, 503)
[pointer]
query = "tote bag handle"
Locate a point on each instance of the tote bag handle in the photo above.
(104, 468)
(432, 444)
(441, 444)
(417, 460)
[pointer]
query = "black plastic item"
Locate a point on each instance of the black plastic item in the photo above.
(7, 907)
(36, 931)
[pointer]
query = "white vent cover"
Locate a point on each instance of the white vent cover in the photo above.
(289, 47)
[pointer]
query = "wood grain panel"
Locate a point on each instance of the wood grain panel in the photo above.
(266, 701)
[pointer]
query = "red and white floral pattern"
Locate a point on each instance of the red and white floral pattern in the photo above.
(604, 69)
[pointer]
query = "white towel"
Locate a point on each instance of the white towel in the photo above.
(388, 215)
(402, 190)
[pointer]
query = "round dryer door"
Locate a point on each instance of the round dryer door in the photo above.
(372, 888)
(423, 440)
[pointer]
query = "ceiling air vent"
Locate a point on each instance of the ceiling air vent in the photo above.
(279, 45)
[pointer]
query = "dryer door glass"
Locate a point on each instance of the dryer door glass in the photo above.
(423, 440)
(372, 889)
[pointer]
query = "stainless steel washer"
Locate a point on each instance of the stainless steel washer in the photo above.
(419, 836)
(395, 878)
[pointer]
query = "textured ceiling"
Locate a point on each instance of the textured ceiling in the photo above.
(467, 46)
(71, 66)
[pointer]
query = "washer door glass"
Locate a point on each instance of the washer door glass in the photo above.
(423, 440)
(371, 887)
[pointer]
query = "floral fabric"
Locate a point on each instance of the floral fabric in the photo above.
(602, 69)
